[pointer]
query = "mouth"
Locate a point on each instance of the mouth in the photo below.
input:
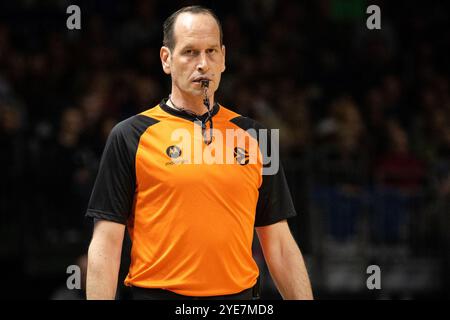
(200, 79)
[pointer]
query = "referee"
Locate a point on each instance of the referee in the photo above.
(191, 224)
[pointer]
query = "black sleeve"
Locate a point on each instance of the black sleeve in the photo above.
(113, 192)
(274, 200)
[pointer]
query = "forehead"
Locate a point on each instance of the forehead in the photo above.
(196, 28)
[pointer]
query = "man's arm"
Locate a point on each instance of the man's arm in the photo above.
(104, 260)
(285, 261)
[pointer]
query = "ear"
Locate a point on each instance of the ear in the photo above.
(223, 53)
(164, 54)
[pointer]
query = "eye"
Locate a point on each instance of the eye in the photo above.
(211, 50)
(189, 52)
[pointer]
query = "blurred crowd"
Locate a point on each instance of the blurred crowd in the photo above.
(363, 114)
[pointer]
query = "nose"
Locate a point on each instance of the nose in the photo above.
(203, 65)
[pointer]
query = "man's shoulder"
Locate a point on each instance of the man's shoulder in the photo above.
(240, 120)
(136, 123)
(154, 112)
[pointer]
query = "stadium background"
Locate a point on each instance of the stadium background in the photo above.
(364, 118)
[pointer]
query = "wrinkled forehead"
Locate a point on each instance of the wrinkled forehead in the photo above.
(196, 27)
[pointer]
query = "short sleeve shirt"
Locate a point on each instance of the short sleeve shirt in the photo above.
(190, 207)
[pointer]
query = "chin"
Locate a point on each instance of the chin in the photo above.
(196, 91)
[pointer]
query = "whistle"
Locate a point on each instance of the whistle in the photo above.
(205, 83)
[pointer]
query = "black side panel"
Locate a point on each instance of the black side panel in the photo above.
(274, 201)
(113, 193)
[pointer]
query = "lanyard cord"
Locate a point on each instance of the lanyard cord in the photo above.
(205, 85)
(203, 122)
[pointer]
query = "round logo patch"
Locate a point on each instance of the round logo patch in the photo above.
(173, 152)
(241, 156)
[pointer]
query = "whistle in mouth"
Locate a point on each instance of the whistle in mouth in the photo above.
(205, 83)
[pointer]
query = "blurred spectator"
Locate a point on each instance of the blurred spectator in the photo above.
(400, 180)
(13, 182)
(342, 158)
(341, 169)
(398, 167)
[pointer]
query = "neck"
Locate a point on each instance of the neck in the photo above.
(190, 103)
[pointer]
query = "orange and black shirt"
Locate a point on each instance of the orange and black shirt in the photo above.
(191, 224)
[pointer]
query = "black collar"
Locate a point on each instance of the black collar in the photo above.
(187, 116)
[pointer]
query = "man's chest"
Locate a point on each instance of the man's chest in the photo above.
(178, 159)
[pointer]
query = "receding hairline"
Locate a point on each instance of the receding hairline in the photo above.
(169, 24)
(176, 22)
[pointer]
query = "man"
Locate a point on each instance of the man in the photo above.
(191, 224)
